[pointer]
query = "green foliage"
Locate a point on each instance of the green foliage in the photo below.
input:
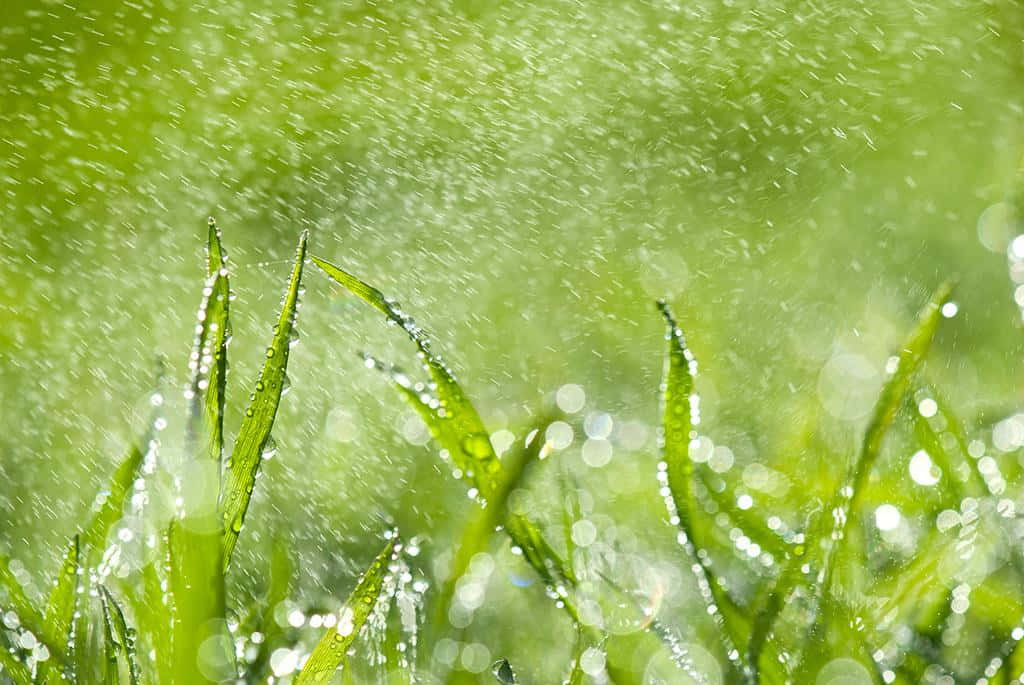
(178, 598)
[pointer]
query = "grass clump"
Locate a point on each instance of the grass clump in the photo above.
(166, 619)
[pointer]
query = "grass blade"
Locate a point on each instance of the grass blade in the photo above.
(60, 611)
(680, 414)
(117, 629)
(331, 650)
(208, 361)
(453, 420)
(254, 433)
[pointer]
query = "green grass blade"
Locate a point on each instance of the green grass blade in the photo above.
(208, 361)
(453, 420)
(14, 669)
(254, 433)
(332, 648)
(679, 404)
(60, 611)
(123, 636)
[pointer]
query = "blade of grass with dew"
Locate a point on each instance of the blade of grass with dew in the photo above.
(122, 635)
(208, 361)
(60, 612)
(679, 406)
(14, 669)
(931, 441)
(333, 646)
(454, 422)
(254, 433)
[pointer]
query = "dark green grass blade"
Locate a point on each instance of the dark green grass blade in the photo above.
(332, 648)
(14, 669)
(254, 433)
(454, 423)
(60, 611)
(118, 631)
(208, 361)
(678, 404)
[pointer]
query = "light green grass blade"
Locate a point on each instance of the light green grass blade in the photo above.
(679, 404)
(60, 612)
(254, 433)
(208, 361)
(331, 650)
(14, 669)
(119, 634)
(454, 421)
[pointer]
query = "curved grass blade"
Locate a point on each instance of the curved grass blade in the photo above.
(60, 612)
(680, 414)
(208, 361)
(452, 418)
(118, 632)
(254, 433)
(331, 650)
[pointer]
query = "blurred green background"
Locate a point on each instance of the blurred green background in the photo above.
(526, 178)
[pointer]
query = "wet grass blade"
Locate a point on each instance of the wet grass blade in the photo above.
(60, 612)
(254, 433)
(680, 407)
(452, 419)
(208, 361)
(333, 646)
(119, 633)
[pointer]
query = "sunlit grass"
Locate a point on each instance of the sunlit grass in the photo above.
(165, 617)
